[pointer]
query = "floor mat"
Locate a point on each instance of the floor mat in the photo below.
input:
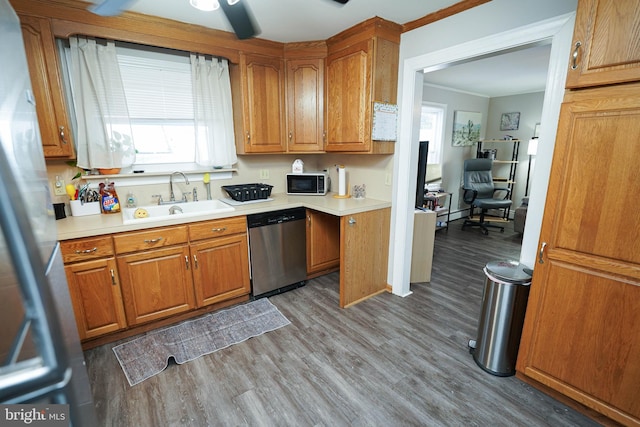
(149, 354)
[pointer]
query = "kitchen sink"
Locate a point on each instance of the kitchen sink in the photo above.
(175, 210)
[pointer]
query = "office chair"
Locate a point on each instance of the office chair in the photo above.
(479, 192)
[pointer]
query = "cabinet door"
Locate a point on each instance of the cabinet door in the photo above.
(608, 33)
(95, 294)
(582, 331)
(47, 87)
(156, 283)
(305, 105)
(323, 242)
(349, 99)
(364, 253)
(263, 112)
(220, 269)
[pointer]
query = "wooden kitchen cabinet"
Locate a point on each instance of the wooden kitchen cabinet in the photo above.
(94, 286)
(364, 254)
(323, 243)
(305, 105)
(581, 334)
(155, 272)
(46, 84)
(220, 260)
(257, 85)
(606, 43)
(362, 68)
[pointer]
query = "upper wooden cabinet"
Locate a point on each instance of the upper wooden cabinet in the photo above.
(606, 43)
(46, 84)
(362, 68)
(258, 96)
(305, 105)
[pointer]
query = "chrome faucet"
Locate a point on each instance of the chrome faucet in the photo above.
(172, 197)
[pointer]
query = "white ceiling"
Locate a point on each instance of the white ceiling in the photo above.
(296, 20)
(307, 20)
(513, 73)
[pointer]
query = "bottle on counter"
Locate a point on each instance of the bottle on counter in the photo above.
(109, 198)
(131, 200)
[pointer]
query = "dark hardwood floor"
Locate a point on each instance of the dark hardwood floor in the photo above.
(388, 361)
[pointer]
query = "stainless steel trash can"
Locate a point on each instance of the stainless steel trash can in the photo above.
(504, 301)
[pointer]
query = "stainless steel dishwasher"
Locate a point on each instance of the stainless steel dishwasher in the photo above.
(278, 250)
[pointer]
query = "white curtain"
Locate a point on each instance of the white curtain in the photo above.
(215, 141)
(104, 137)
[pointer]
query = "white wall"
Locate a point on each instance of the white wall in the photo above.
(490, 27)
(453, 157)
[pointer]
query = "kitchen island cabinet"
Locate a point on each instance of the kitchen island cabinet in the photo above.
(364, 254)
(94, 286)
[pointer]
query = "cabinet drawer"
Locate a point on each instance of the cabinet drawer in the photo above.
(156, 238)
(85, 249)
(217, 228)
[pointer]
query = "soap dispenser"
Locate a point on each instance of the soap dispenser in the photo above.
(131, 200)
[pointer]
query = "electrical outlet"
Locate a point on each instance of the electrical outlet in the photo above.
(59, 187)
(387, 179)
(264, 173)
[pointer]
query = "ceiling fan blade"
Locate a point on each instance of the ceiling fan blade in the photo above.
(110, 7)
(241, 19)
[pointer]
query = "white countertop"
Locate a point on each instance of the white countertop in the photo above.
(95, 225)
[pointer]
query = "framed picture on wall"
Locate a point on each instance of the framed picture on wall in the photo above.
(466, 128)
(510, 121)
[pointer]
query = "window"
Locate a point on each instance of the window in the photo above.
(164, 90)
(160, 102)
(432, 130)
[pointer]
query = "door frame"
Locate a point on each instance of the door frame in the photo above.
(560, 31)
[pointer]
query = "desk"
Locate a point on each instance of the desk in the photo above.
(440, 203)
(424, 230)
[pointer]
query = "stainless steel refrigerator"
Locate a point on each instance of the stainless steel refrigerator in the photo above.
(40, 355)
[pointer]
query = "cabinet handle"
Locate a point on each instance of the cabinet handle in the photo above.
(63, 137)
(113, 277)
(290, 136)
(153, 240)
(324, 136)
(574, 64)
(352, 221)
(86, 251)
(541, 253)
(248, 138)
(195, 261)
(219, 230)
(186, 261)
(309, 219)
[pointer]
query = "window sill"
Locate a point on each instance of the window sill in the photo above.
(145, 178)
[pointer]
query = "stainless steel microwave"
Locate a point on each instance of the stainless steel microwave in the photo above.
(308, 183)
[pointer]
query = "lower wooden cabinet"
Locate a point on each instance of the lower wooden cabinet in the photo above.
(156, 283)
(323, 242)
(96, 298)
(122, 281)
(220, 269)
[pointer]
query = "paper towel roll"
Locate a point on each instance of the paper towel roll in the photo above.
(342, 181)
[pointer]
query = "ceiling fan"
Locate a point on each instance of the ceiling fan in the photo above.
(238, 14)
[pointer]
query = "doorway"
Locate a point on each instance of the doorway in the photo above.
(559, 31)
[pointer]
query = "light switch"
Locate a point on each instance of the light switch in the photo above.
(264, 173)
